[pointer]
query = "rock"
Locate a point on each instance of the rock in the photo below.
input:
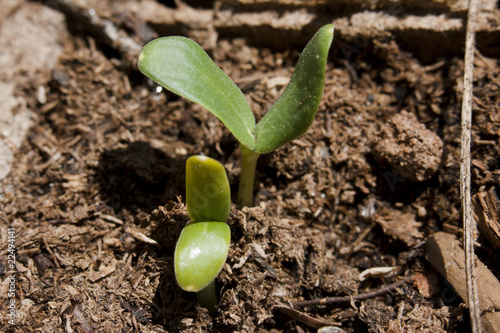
(412, 151)
(31, 38)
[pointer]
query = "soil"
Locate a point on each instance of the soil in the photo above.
(96, 191)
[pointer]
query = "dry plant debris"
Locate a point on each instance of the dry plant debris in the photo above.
(446, 255)
(487, 214)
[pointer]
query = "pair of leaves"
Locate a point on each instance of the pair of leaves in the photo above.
(183, 67)
(202, 248)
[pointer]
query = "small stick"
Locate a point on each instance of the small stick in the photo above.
(465, 182)
(346, 299)
(54, 258)
(305, 318)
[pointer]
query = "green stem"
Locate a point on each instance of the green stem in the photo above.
(207, 297)
(248, 163)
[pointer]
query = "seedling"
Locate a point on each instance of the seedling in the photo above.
(202, 248)
(183, 67)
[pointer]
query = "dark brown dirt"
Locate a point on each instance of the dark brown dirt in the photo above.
(96, 194)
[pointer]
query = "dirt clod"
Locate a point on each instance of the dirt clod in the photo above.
(413, 151)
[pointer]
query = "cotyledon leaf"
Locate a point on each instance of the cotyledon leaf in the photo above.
(208, 196)
(294, 111)
(200, 253)
(183, 67)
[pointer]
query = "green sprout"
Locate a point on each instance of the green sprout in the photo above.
(203, 244)
(183, 67)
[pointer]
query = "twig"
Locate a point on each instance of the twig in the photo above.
(305, 318)
(346, 299)
(469, 223)
(47, 247)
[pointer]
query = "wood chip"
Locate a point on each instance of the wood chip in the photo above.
(448, 258)
(110, 218)
(379, 272)
(140, 236)
(106, 271)
(487, 214)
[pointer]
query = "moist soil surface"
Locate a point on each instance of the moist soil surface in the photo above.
(96, 195)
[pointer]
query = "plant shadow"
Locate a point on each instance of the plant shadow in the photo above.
(139, 177)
